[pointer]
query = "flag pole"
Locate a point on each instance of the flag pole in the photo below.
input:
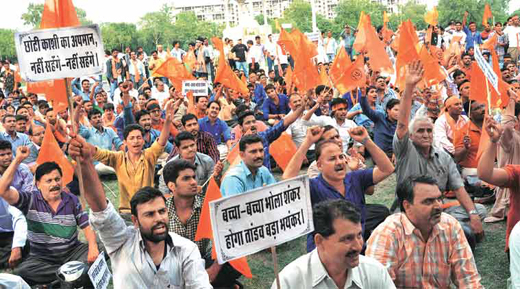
(79, 174)
(275, 267)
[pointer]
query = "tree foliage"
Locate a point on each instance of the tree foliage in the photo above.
(454, 10)
(33, 16)
(119, 35)
(7, 50)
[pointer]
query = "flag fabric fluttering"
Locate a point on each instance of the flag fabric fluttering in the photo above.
(50, 151)
(351, 77)
(282, 150)
(59, 13)
(432, 17)
(487, 14)
(225, 74)
(175, 71)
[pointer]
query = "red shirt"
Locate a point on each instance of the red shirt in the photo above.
(513, 216)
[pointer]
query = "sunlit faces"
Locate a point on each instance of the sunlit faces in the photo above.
(152, 220)
(134, 142)
(38, 132)
(50, 185)
(213, 110)
(332, 162)
(192, 126)
(426, 208)
(422, 134)
(253, 155)
(342, 248)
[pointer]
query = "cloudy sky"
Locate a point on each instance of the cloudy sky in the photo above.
(107, 10)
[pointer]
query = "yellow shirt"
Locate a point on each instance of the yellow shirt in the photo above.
(131, 177)
(158, 62)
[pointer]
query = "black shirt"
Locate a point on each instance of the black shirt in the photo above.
(240, 51)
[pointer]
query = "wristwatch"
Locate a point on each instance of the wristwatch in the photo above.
(473, 212)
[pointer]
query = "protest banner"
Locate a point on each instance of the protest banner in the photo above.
(199, 87)
(261, 218)
(313, 36)
(59, 53)
(486, 68)
(99, 273)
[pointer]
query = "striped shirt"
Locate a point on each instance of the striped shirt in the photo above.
(206, 144)
(415, 263)
(52, 234)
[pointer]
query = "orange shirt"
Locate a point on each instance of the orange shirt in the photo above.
(159, 127)
(470, 161)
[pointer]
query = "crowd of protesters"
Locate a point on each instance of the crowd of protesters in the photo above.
(133, 125)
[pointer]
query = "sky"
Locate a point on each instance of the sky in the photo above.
(108, 10)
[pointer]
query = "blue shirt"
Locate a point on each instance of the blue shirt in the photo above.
(381, 103)
(472, 38)
(23, 179)
(384, 129)
(239, 179)
(270, 108)
(259, 94)
(154, 134)
(20, 139)
(105, 138)
(362, 119)
(217, 131)
(356, 183)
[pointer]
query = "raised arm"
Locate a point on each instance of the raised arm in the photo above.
(414, 74)
(486, 166)
(9, 194)
(293, 116)
(165, 132)
(293, 168)
(384, 166)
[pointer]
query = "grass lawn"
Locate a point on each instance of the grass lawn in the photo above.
(491, 260)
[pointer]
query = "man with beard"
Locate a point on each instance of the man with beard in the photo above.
(53, 216)
(99, 136)
(206, 144)
(415, 153)
(144, 255)
(466, 65)
(135, 167)
(421, 246)
(336, 262)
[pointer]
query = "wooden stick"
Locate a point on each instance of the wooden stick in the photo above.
(469, 115)
(68, 88)
(144, 82)
(275, 263)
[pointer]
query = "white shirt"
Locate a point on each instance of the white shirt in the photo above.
(461, 34)
(443, 134)
(117, 95)
(254, 52)
(324, 120)
(140, 68)
(330, 45)
(162, 54)
(298, 130)
(308, 272)
(281, 57)
(514, 253)
(133, 267)
(513, 35)
(178, 53)
(270, 47)
(160, 95)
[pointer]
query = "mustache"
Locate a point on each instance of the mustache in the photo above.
(156, 226)
(353, 253)
(259, 159)
(55, 188)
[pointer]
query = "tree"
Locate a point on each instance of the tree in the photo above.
(348, 11)
(33, 16)
(157, 25)
(119, 35)
(454, 10)
(414, 12)
(7, 50)
(299, 14)
(260, 19)
(187, 28)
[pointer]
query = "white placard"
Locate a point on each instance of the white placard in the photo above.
(199, 87)
(313, 36)
(59, 53)
(99, 273)
(487, 69)
(265, 217)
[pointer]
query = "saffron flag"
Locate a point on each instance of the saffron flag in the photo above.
(407, 51)
(204, 230)
(59, 13)
(433, 73)
(490, 43)
(487, 14)
(324, 77)
(51, 152)
(503, 86)
(191, 103)
(431, 17)
(378, 58)
(479, 86)
(54, 91)
(352, 77)
(175, 71)
(305, 73)
(225, 74)
(385, 17)
(359, 42)
(282, 150)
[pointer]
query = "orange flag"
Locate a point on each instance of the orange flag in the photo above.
(431, 17)
(190, 59)
(233, 156)
(59, 13)
(407, 51)
(487, 14)
(433, 74)
(385, 18)
(324, 77)
(244, 79)
(378, 58)
(175, 71)
(225, 74)
(352, 77)
(359, 42)
(204, 230)
(305, 73)
(289, 79)
(503, 86)
(51, 152)
(57, 93)
(478, 88)
(490, 43)
(282, 150)
(191, 103)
